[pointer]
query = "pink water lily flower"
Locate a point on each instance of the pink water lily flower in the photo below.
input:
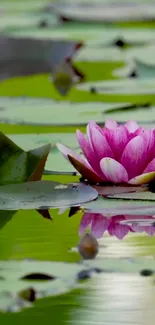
(99, 223)
(115, 153)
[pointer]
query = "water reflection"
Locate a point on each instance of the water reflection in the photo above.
(118, 226)
(116, 299)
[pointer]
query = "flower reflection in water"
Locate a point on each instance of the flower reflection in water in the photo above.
(118, 226)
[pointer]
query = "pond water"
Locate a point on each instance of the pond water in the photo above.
(44, 273)
(118, 295)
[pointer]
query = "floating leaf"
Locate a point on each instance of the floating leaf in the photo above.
(122, 265)
(113, 206)
(104, 12)
(142, 196)
(121, 87)
(35, 111)
(115, 190)
(43, 195)
(94, 36)
(20, 288)
(18, 166)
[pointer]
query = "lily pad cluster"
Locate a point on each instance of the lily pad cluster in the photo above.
(57, 186)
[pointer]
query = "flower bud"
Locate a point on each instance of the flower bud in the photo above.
(88, 247)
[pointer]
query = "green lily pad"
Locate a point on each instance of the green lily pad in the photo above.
(121, 87)
(9, 21)
(90, 53)
(122, 265)
(94, 35)
(21, 6)
(55, 161)
(43, 195)
(18, 166)
(113, 206)
(100, 12)
(142, 196)
(139, 59)
(48, 112)
(145, 54)
(16, 293)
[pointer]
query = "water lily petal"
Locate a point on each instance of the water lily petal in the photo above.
(67, 151)
(99, 225)
(91, 126)
(113, 170)
(110, 124)
(142, 179)
(149, 142)
(85, 171)
(117, 139)
(85, 222)
(85, 146)
(131, 126)
(150, 167)
(118, 230)
(100, 145)
(133, 157)
(79, 163)
(150, 230)
(88, 151)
